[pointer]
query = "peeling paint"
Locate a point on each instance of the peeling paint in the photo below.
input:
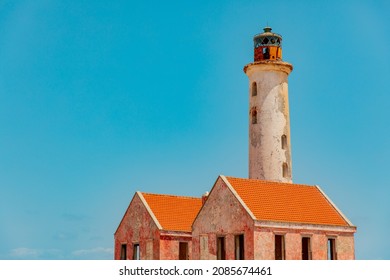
(266, 155)
(138, 226)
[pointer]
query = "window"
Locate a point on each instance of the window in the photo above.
(306, 248)
(221, 254)
(279, 247)
(254, 116)
(285, 170)
(284, 141)
(332, 249)
(123, 252)
(136, 252)
(254, 89)
(239, 247)
(266, 53)
(183, 251)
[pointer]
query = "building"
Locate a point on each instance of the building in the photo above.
(263, 217)
(257, 219)
(153, 228)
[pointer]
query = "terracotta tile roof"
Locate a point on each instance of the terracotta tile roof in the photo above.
(285, 202)
(175, 213)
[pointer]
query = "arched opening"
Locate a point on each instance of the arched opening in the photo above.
(254, 116)
(254, 89)
(284, 141)
(285, 170)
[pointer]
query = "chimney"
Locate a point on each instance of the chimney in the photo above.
(204, 197)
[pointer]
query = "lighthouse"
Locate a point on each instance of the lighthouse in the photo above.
(269, 118)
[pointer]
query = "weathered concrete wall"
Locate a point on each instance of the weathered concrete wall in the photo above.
(169, 246)
(137, 226)
(264, 246)
(264, 242)
(270, 105)
(221, 215)
(319, 246)
(345, 247)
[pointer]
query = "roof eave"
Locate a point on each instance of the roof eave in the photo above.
(149, 210)
(285, 225)
(178, 233)
(335, 207)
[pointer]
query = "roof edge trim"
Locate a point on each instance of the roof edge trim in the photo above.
(286, 226)
(335, 207)
(176, 233)
(149, 210)
(226, 181)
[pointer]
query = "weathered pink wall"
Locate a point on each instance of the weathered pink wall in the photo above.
(264, 243)
(221, 215)
(293, 246)
(345, 247)
(169, 246)
(137, 226)
(319, 246)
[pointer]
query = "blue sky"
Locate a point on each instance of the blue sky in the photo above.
(99, 99)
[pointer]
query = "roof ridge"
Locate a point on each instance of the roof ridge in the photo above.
(269, 181)
(171, 195)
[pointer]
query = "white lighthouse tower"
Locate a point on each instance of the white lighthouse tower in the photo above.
(269, 120)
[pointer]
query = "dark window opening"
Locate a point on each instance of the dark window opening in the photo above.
(284, 141)
(265, 53)
(254, 89)
(306, 248)
(183, 251)
(254, 116)
(123, 252)
(136, 252)
(332, 249)
(221, 254)
(239, 247)
(285, 170)
(279, 247)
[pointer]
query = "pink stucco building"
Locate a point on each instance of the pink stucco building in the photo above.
(263, 217)
(256, 219)
(157, 227)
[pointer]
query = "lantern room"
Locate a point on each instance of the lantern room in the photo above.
(267, 45)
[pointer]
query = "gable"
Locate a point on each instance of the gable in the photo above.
(137, 220)
(223, 211)
(286, 202)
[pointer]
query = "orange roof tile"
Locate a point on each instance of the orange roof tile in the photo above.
(175, 213)
(285, 202)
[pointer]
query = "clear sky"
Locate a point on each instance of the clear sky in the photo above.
(99, 99)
